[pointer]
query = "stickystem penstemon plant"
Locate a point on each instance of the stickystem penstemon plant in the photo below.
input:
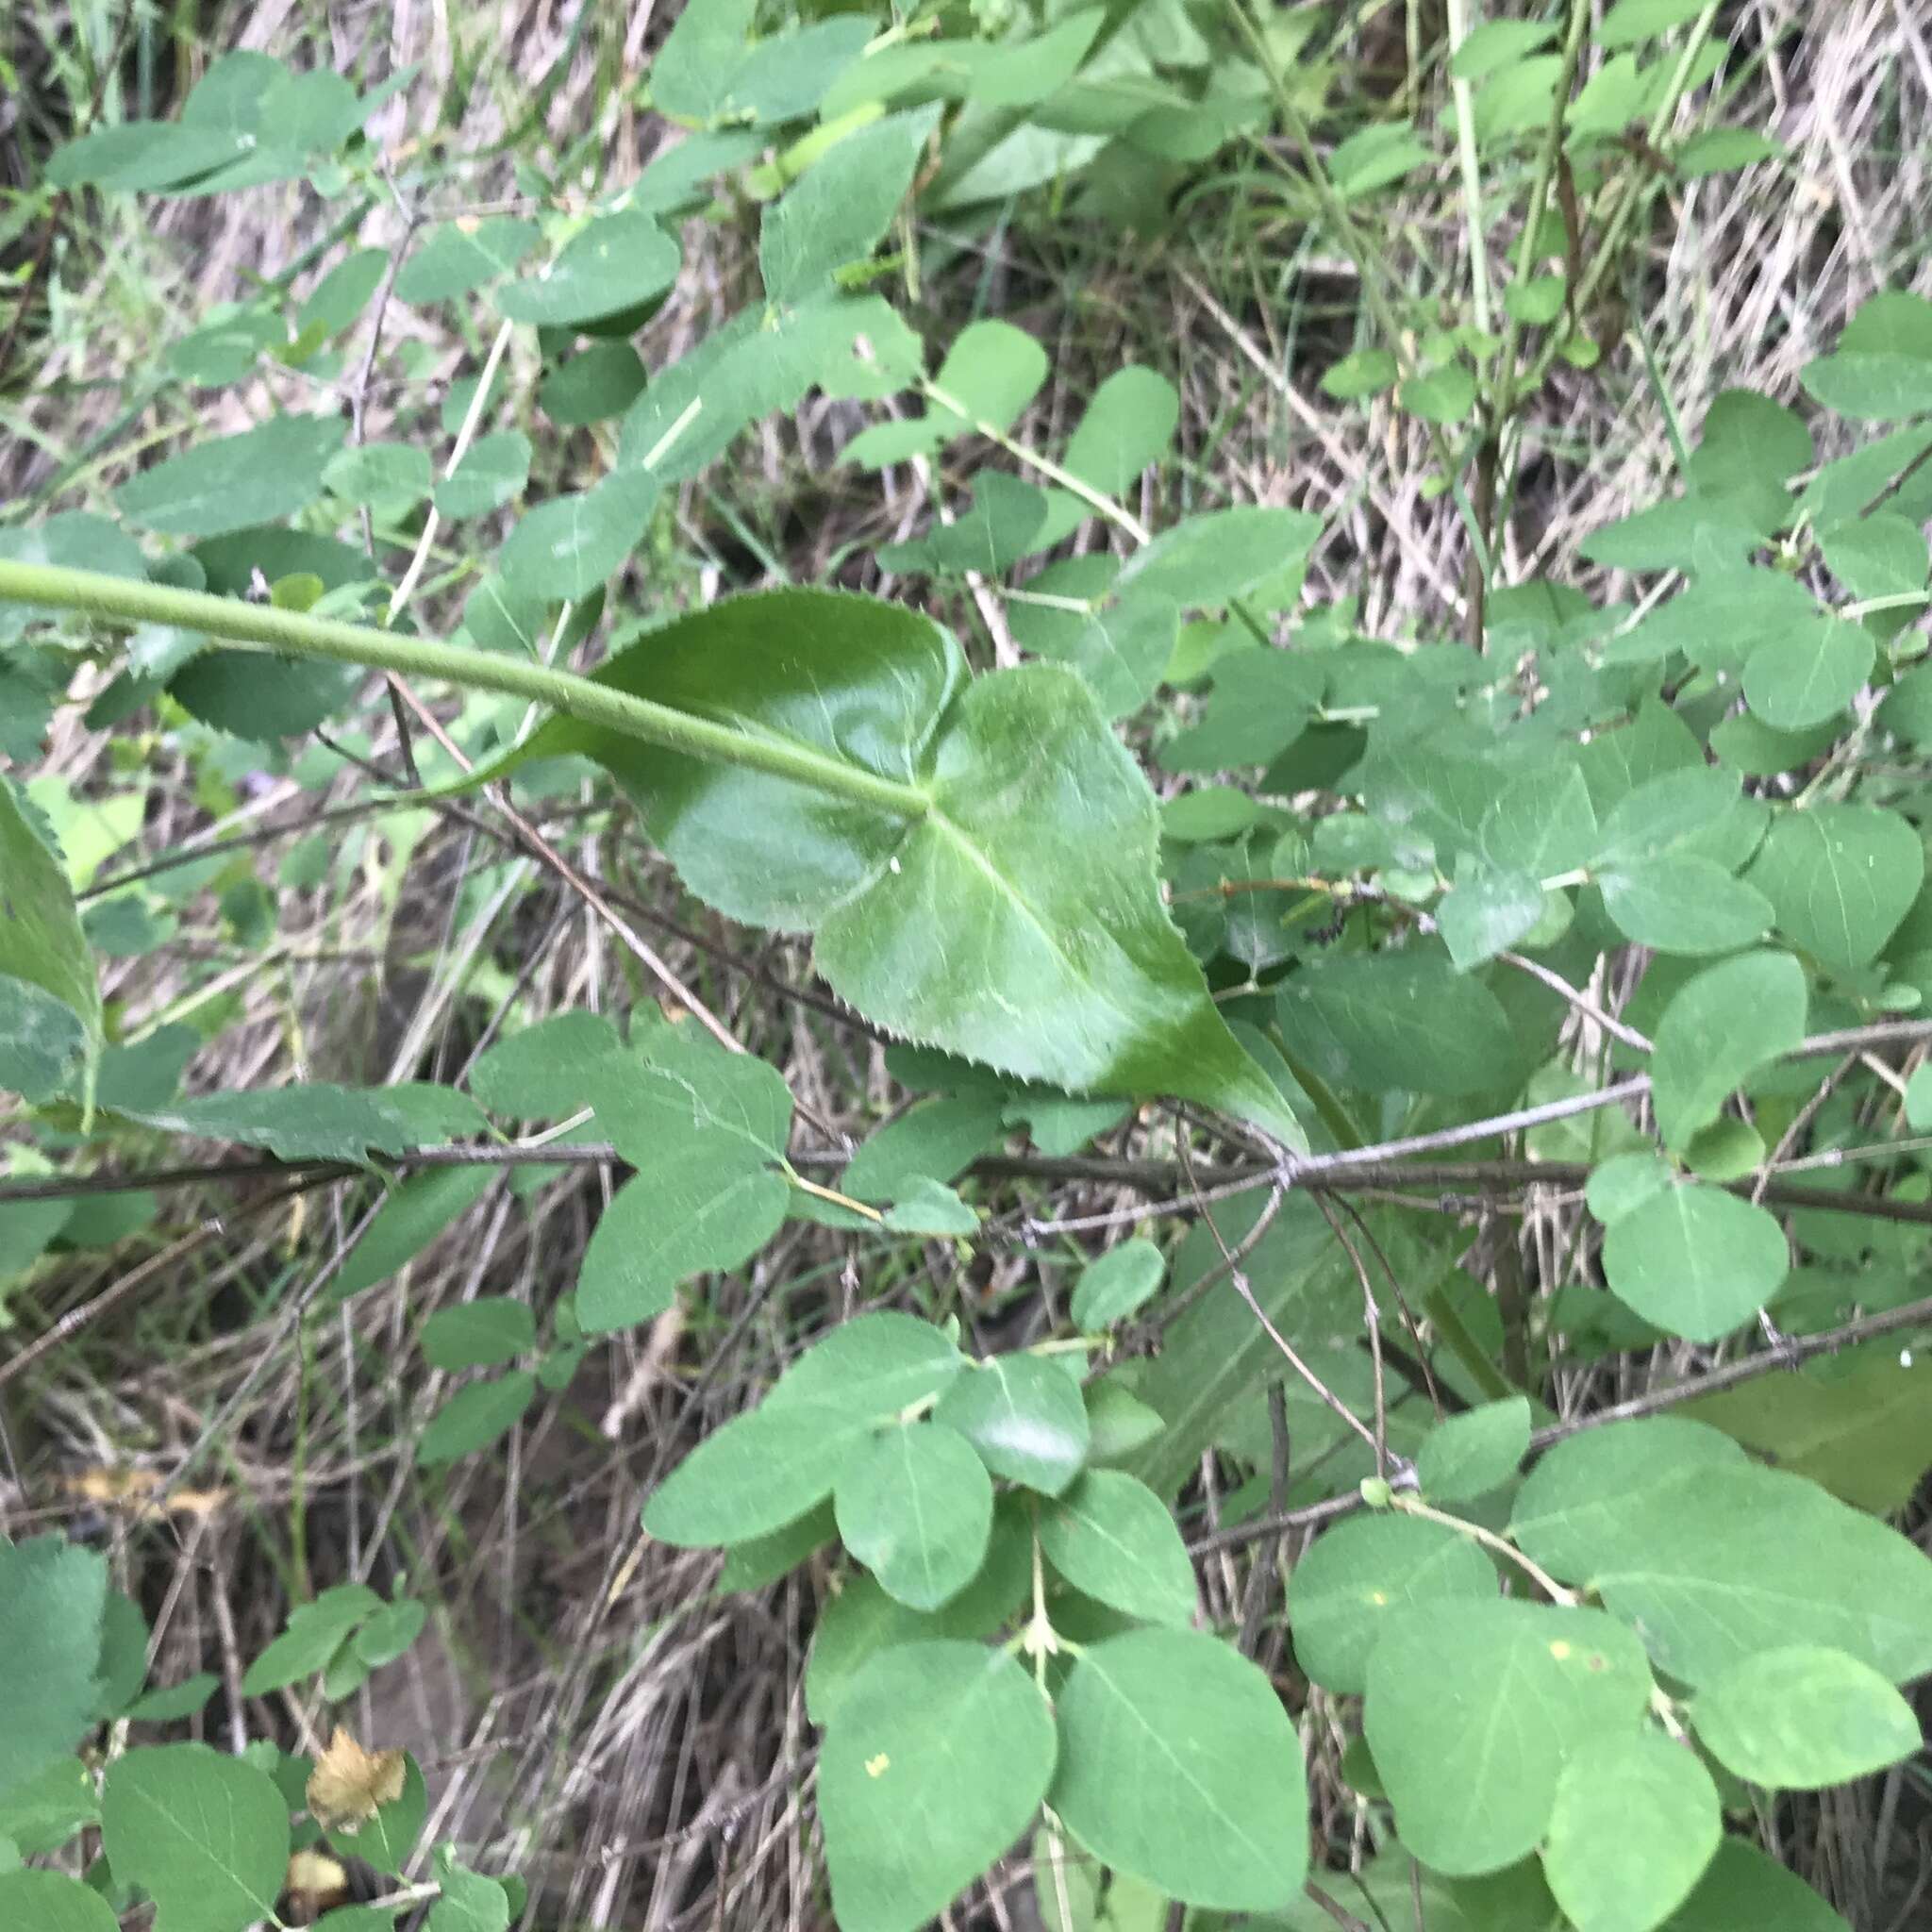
(1585, 898)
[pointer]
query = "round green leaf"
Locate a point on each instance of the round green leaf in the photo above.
(494, 468)
(1840, 877)
(52, 1902)
(616, 262)
(1636, 1821)
(1178, 1765)
(1805, 673)
(1025, 1416)
(1118, 1285)
(1803, 1717)
(452, 257)
(1363, 1572)
(1685, 903)
(871, 1368)
(1715, 1560)
(475, 1417)
(567, 547)
(916, 1509)
(1473, 1710)
(1469, 1454)
(207, 1836)
(1113, 1538)
(1718, 1031)
(1695, 1260)
(933, 1764)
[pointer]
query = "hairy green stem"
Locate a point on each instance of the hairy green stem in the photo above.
(124, 600)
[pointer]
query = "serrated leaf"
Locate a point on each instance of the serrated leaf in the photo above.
(1618, 1794)
(1474, 1708)
(949, 1734)
(1361, 1574)
(207, 1836)
(1113, 1537)
(1098, 991)
(1178, 1765)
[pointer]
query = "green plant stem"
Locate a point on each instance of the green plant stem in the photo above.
(1412, 1506)
(1472, 174)
(123, 600)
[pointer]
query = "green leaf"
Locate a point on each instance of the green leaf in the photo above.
(1219, 556)
(1882, 367)
(124, 1636)
(389, 476)
(1129, 424)
(1000, 528)
(315, 1633)
(231, 482)
(1118, 1285)
(1804, 675)
(470, 1901)
(1113, 1537)
(1263, 700)
(937, 1140)
(1469, 1454)
(45, 960)
(594, 385)
(706, 1129)
(1840, 877)
(1802, 1718)
(836, 214)
(1097, 992)
(478, 1334)
(1025, 1418)
(1361, 1575)
(52, 1902)
(766, 1469)
(544, 1071)
(419, 1210)
(1683, 902)
(53, 1603)
(475, 1417)
(1714, 1559)
(226, 347)
(916, 1509)
(170, 1703)
(1405, 1020)
(43, 1811)
(567, 546)
(1118, 644)
(1722, 1027)
(316, 1122)
(1860, 1424)
(1695, 1260)
(1442, 395)
(389, 1838)
(992, 371)
(1178, 1765)
(206, 1837)
(344, 292)
(493, 469)
(1616, 1795)
(948, 1735)
(615, 263)
(1631, 21)
(1743, 1890)
(1367, 372)
(1119, 1423)
(452, 257)
(391, 1632)
(1474, 1708)
(1486, 913)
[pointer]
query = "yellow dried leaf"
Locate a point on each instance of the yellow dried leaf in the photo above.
(316, 1884)
(349, 1783)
